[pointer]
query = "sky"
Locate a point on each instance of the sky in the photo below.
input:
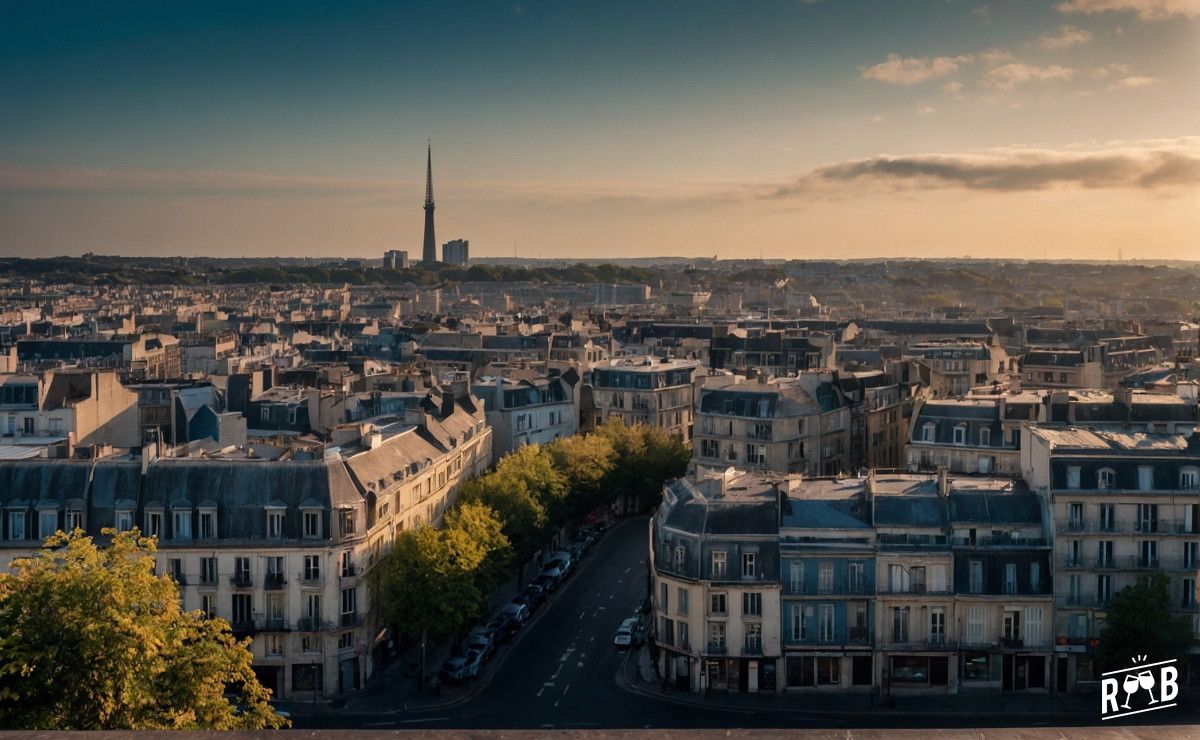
(775, 128)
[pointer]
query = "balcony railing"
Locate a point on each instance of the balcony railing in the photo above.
(312, 624)
(349, 571)
(241, 580)
(206, 582)
(179, 578)
(351, 619)
(717, 648)
(273, 624)
(1012, 642)
(274, 581)
(1087, 600)
(752, 647)
(242, 627)
(1001, 541)
(309, 578)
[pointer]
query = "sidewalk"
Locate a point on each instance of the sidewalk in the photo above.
(641, 677)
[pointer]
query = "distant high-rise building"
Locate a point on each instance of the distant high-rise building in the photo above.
(395, 259)
(429, 246)
(456, 252)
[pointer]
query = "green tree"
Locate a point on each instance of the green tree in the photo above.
(483, 526)
(1140, 622)
(427, 585)
(521, 513)
(534, 468)
(646, 458)
(92, 639)
(584, 460)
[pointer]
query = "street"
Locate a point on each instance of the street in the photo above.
(562, 672)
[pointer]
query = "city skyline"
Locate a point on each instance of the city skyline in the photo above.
(787, 130)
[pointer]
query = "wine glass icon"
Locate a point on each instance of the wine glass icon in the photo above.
(1130, 685)
(1146, 680)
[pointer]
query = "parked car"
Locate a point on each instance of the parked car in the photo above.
(481, 639)
(517, 612)
(460, 668)
(553, 570)
(535, 596)
(503, 628)
(548, 582)
(577, 549)
(560, 560)
(626, 636)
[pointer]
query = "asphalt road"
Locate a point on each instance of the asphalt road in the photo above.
(562, 671)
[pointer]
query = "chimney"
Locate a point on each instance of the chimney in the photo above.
(447, 409)
(763, 377)
(869, 484)
(943, 481)
(374, 439)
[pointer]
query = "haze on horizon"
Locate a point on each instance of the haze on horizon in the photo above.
(774, 128)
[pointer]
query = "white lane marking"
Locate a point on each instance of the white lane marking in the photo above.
(378, 724)
(629, 569)
(579, 664)
(556, 705)
(566, 689)
(539, 693)
(423, 719)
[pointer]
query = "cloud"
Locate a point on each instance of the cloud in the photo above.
(1101, 73)
(926, 110)
(1147, 10)
(982, 11)
(1065, 37)
(1150, 167)
(1008, 76)
(898, 70)
(954, 88)
(1126, 83)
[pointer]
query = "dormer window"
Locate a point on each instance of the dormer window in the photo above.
(985, 437)
(1189, 478)
(960, 434)
(927, 431)
(312, 524)
(47, 522)
(181, 524)
(1106, 478)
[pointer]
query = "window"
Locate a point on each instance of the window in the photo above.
(1073, 476)
(312, 524)
(1188, 588)
(73, 520)
(752, 604)
(312, 567)
(716, 636)
(1189, 478)
(1104, 554)
(900, 623)
(345, 640)
(208, 605)
(274, 524)
(181, 523)
(1035, 578)
(975, 576)
(975, 666)
(124, 520)
(1106, 478)
(1148, 550)
(796, 571)
(1147, 517)
(975, 625)
(960, 434)
(663, 602)
(898, 578)
(1103, 589)
(683, 634)
(1075, 516)
(1033, 625)
(753, 631)
(710, 448)
(680, 557)
(312, 608)
(937, 626)
(716, 604)
(346, 519)
(1012, 624)
(825, 623)
(856, 584)
(681, 600)
(1108, 517)
(1189, 554)
(153, 523)
(801, 616)
(208, 524)
(985, 437)
(748, 565)
(275, 645)
(666, 633)
(1010, 578)
(347, 564)
(1145, 478)
(175, 569)
(825, 577)
(243, 611)
(756, 454)
(208, 570)
(47, 522)
(241, 571)
(927, 431)
(349, 603)
(718, 564)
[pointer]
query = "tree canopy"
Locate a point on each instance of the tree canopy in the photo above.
(429, 585)
(1140, 622)
(92, 639)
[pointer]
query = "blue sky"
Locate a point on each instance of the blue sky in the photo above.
(573, 128)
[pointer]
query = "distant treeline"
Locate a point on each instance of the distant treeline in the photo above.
(142, 271)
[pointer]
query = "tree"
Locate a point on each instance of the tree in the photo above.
(428, 584)
(646, 457)
(522, 514)
(92, 639)
(1140, 622)
(483, 526)
(532, 466)
(584, 461)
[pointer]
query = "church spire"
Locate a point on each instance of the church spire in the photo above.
(429, 247)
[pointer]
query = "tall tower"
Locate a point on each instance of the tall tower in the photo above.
(429, 249)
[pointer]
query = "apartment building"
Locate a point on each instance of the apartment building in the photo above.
(786, 425)
(714, 561)
(647, 390)
(954, 368)
(67, 409)
(1125, 505)
(279, 541)
(527, 411)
